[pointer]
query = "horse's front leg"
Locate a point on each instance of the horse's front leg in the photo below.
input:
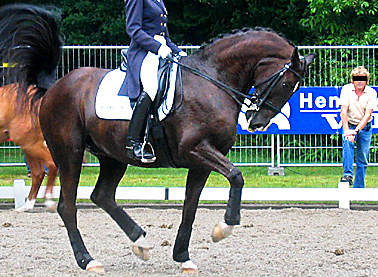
(232, 217)
(213, 159)
(194, 184)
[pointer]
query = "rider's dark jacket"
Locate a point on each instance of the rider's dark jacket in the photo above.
(144, 20)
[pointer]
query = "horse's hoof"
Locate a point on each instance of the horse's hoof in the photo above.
(21, 209)
(221, 231)
(142, 253)
(51, 206)
(141, 248)
(95, 266)
(189, 268)
(29, 205)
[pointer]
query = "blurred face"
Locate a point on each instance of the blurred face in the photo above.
(359, 82)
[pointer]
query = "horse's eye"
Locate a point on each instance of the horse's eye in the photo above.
(284, 85)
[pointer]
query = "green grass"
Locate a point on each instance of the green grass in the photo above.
(321, 177)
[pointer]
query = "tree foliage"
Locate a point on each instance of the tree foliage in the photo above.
(90, 22)
(192, 22)
(195, 21)
(343, 22)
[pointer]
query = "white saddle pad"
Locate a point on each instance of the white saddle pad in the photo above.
(109, 105)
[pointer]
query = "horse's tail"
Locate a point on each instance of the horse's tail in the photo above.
(30, 48)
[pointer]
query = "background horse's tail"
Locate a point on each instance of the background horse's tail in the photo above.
(30, 47)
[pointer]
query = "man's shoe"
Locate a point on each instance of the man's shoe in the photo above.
(347, 178)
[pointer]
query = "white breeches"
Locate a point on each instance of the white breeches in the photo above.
(148, 74)
(148, 71)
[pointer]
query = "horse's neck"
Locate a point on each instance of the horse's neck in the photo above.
(235, 58)
(200, 90)
(234, 70)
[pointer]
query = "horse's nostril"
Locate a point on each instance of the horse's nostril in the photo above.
(254, 127)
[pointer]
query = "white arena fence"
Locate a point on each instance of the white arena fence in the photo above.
(331, 68)
(343, 194)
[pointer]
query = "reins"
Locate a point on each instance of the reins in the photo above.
(256, 100)
(220, 84)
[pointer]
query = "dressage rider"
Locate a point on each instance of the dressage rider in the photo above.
(146, 24)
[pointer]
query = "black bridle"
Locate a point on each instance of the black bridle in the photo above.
(256, 99)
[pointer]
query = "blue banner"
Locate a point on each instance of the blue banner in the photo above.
(311, 110)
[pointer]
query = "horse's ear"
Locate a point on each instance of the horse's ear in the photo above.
(295, 62)
(310, 58)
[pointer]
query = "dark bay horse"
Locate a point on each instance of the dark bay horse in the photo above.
(30, 50)
(200, 131)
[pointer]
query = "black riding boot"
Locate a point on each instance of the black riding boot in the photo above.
(137, 128)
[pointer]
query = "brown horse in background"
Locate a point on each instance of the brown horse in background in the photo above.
(25, 131)
(30, 50)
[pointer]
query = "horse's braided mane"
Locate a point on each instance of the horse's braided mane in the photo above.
(244, 30)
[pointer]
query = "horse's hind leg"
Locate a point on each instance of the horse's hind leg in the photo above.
(69, 163)
(42, 153)
(194, 184)
(52, 172)
(38, 157)
(111, 172)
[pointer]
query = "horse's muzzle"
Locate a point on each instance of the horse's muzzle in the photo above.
(258, 123)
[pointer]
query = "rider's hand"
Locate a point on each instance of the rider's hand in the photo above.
(182, 53)
(164, 51)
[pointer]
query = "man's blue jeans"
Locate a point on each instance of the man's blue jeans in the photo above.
(362, 142)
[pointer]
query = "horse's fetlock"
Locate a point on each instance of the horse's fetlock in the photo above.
(137, 233)
(83, 261)
(181, 257)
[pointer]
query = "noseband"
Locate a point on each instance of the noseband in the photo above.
(257, 100)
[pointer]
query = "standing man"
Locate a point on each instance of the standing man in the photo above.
(357, 101)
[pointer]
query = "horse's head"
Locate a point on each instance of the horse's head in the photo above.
(275, 82)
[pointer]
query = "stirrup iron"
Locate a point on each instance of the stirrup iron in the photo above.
(144, 160)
